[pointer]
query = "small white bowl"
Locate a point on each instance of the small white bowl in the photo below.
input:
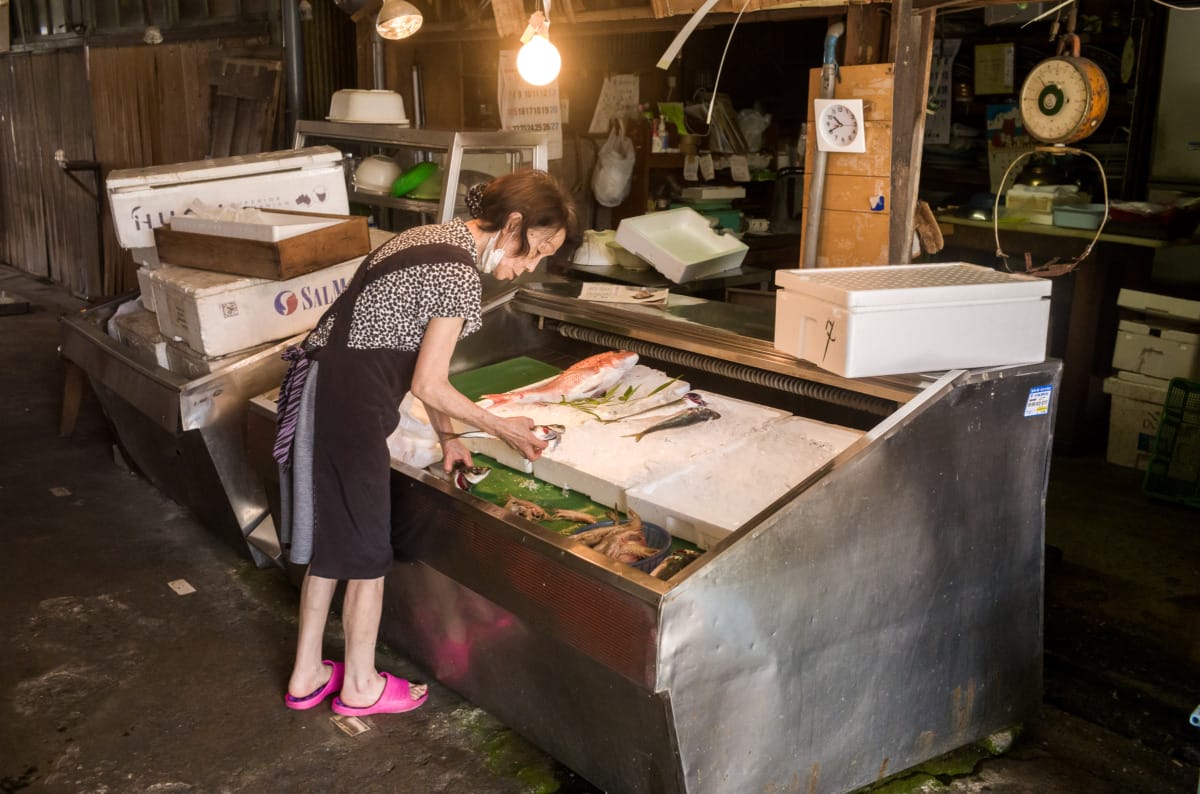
(361, 106)
(375, 174)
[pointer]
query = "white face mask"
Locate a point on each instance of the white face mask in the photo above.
(492, 255)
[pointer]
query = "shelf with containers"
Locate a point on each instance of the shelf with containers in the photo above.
(464, 158)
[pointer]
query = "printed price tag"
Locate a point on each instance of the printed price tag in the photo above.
(691, 168)
(706, 167)
(739, 168)
(1038, 402)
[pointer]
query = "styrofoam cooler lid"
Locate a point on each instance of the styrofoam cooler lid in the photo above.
(221, 168)
(888, 285)
(1159, 305)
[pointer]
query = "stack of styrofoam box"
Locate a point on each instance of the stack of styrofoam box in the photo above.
(209, 320)
(1158, 338)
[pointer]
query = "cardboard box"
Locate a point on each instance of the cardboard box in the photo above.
(895, 319)
(1137, 404)
(232, 248)
(144, 199)
(216, 314)
(1157, 349)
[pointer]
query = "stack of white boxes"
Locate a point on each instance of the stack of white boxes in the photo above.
(194, 322)
(1158, 338)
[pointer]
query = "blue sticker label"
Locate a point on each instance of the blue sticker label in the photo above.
(1038, 403)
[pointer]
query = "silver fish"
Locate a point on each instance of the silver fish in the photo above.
(686, 417)
(466, 476)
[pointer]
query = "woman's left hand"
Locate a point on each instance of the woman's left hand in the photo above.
(454, 453)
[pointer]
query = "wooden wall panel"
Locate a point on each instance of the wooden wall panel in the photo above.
(854, 227)
(47, 222)
(151, 107)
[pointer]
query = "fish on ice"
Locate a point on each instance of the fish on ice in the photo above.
(587, 378)
(688, 416)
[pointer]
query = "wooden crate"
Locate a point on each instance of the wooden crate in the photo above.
(278, 260)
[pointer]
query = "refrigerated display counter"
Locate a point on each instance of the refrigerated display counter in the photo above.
(883, 610)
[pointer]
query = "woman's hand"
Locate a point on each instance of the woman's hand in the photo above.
(454, 454)
(517, 432)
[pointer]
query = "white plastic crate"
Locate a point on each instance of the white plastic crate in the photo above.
(1137, 404)
(895, 319)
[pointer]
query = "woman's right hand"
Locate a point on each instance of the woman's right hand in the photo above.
(517, 432)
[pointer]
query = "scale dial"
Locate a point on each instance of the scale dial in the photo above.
(1063, 99)
(840, 126)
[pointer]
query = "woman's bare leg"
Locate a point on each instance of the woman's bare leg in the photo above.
(361, 611)
(308, 672)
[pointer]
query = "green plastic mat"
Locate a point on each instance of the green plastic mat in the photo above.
(502, 376)
(503, 481)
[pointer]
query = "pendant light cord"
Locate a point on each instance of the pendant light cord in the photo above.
(713, 99)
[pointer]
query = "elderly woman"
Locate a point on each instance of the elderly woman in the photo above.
(393, 330)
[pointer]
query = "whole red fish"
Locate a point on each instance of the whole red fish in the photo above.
(587, 378)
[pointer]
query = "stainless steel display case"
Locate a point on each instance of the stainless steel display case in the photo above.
(885, 610)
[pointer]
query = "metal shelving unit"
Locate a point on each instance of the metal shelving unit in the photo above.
(506, 151)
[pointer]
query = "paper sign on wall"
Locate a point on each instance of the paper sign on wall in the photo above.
(528, 108)
(618, 99)
(937, 125)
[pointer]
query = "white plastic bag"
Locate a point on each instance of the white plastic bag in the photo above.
(614, 169)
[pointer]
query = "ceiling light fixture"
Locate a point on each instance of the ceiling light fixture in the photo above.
(538, 61)
(398, 19)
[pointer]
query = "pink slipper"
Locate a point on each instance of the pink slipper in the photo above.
(398, 697)
(330, 687)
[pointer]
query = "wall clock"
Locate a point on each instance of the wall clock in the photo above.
(840, 125)
(1064, 98)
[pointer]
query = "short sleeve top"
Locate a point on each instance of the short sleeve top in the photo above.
(420, 274)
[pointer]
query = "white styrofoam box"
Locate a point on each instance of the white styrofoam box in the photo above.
(1160, 305)
(710, 497)
(1137, 403)
(217, 313)
(145, 287)
(895, 319)
(1037, 203)
(681, 244)
(270, 227)
(1156, 350)
(713, 192)
(182, 360)
(604, 461)
(138, 333)
(142, 199)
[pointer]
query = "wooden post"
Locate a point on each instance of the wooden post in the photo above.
(866, 28)
(73, 384)
(911, 49)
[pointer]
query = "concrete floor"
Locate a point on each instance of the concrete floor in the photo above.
(113, 682)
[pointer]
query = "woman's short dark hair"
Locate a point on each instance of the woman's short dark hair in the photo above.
(538, 197)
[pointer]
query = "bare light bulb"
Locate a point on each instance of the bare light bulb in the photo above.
(398, 19)
(538, 61)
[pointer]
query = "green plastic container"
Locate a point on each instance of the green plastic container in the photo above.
(411, 179)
